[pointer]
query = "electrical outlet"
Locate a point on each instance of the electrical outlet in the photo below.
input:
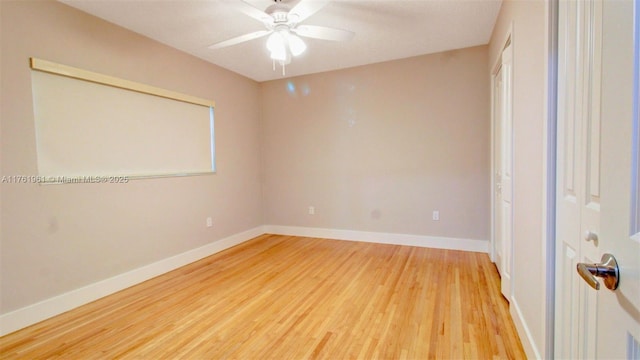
(436, 215)
(209, 222)
(312, 210)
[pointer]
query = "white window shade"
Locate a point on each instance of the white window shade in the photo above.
(89, 124)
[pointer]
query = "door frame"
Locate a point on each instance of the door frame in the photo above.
(635, 182)
(550, 175)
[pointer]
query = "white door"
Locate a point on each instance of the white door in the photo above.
(503, 164)
(594, 189)
(497, 161)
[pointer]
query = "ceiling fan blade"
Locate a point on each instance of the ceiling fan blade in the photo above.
(324, 33)
(240, 39)
(251, 11)
(306, 8)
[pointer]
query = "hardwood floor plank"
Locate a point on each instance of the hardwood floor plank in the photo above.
(283, 297)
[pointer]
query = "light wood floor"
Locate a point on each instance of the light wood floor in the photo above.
(280, 297)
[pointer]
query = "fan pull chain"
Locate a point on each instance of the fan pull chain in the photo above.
(282, 63)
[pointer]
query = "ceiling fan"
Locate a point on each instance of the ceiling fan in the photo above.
(282, 21)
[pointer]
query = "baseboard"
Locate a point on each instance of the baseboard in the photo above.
(45, 309)
(528, 343)
(384, 238)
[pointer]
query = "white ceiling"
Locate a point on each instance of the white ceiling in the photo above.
(384, 30)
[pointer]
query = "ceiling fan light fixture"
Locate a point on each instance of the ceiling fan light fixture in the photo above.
(296, 45)
(276, 43)
(280, 56)
(282, 45)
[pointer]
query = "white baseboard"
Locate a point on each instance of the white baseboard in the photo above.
(45, 309)
(527, 340)
(383, 238)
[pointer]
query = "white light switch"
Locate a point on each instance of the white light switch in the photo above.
(436, 215)
(209, 222)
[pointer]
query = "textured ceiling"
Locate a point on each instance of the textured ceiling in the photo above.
(384, 30)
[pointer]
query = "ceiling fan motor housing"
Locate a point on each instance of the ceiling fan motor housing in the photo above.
(279, 11)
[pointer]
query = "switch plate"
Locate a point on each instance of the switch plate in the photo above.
(312, 210)
(209, 222)
(436, 215)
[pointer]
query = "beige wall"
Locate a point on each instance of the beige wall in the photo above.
(528, 19)
(379, 147)
(57, 238)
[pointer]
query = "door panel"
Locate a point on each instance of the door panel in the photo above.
(594, 187)
(497, 161)
(590, 14)
(570, 290)
(503, 166)
(506, 157)
(567, 321)
(619, 310)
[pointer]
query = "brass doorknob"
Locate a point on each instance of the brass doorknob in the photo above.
(607, 270)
